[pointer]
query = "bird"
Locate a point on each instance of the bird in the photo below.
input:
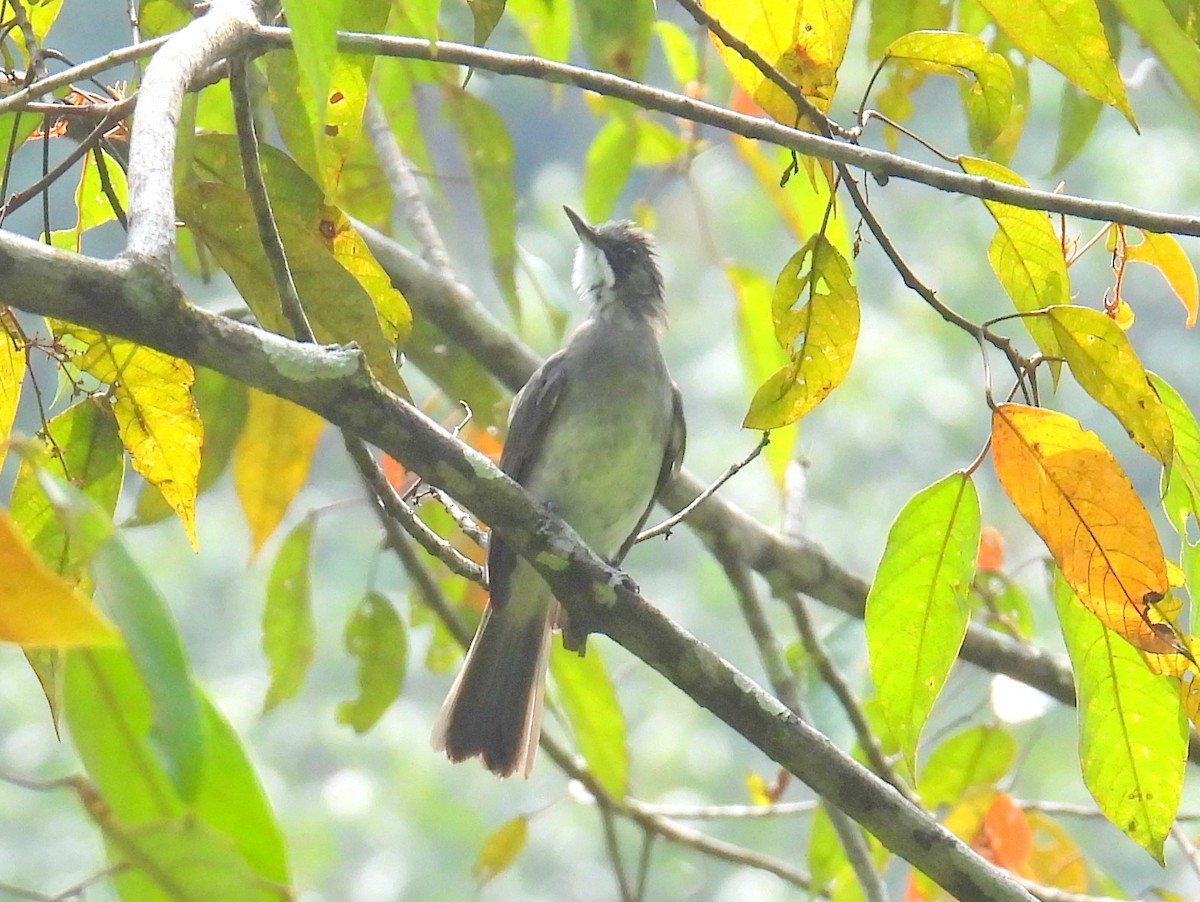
(593, 436)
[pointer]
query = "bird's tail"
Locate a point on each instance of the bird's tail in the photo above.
(494, 708)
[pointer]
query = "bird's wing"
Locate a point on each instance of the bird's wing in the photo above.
(671, 462)
(532, 410)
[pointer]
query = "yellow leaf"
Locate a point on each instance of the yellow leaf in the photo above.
(38, 608)
(820, 335)
(1107, 368)
(1055, 859)
(804, 39)
(351, 251)
(271, 460)
(757, 789)
(989, 100)
(1068, 35)
(500, 849)
(12, 374)
(1165, 254)
(156, 416)
(1025, 254)
(1070, 489)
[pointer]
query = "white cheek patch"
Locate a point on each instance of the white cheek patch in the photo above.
(592, 275)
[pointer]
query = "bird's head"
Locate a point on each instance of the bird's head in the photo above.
(616, 271)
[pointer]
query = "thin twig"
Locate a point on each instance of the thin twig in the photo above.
(844, 694)
(396, 508)
(723, 812)
(1045, 893)
(671, 522)
(404, 186)
(462, 519)
(804, 106)
(109, 190)
(784, 685)
(1190, 852)
(25, 195)
(881, 164)
(1016, 360)
(1069, 809)
(37, 65)
(50, 83)
(260, 202)
(614, 853)
(781, 677)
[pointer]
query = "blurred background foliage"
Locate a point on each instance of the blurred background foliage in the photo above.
(379, 816)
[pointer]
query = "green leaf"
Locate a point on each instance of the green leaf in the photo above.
(176, 731)
(820, 335)
(917, 612)
(1068, 35)
(1132, 730)
(491, 160)
(1077, 120)
(590, 703)
(288, 632)
(500, 849)
(42, 16)
(891, 20)
(314, 38)
(607, 166)
(486, 15)
(616, 36)
(108, 711)
(1181, 479)
(973, 758)
(989, 100)
(1026, 256)
(458, 373)
(826, 852)
(1107, 368)
(547, 26)
(90, 457)
(679, 51)
(182, 861)
(1173, 47)
(327, 257)
(92, 203)
(393, 88)
(159, 17)
(376, 637)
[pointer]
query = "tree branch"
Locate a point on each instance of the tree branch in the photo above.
(880, 164)
(335, 383)
(189, 52)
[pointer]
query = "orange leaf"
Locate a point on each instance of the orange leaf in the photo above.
(991, 551)
(39, 608)
(1005, 839)
(1071, 490)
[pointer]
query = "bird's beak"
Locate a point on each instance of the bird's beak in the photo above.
(585, 232)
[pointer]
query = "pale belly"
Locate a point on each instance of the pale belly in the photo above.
(605, 467)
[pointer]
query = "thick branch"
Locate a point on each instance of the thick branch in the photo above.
(182, 59)
(335, 383)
